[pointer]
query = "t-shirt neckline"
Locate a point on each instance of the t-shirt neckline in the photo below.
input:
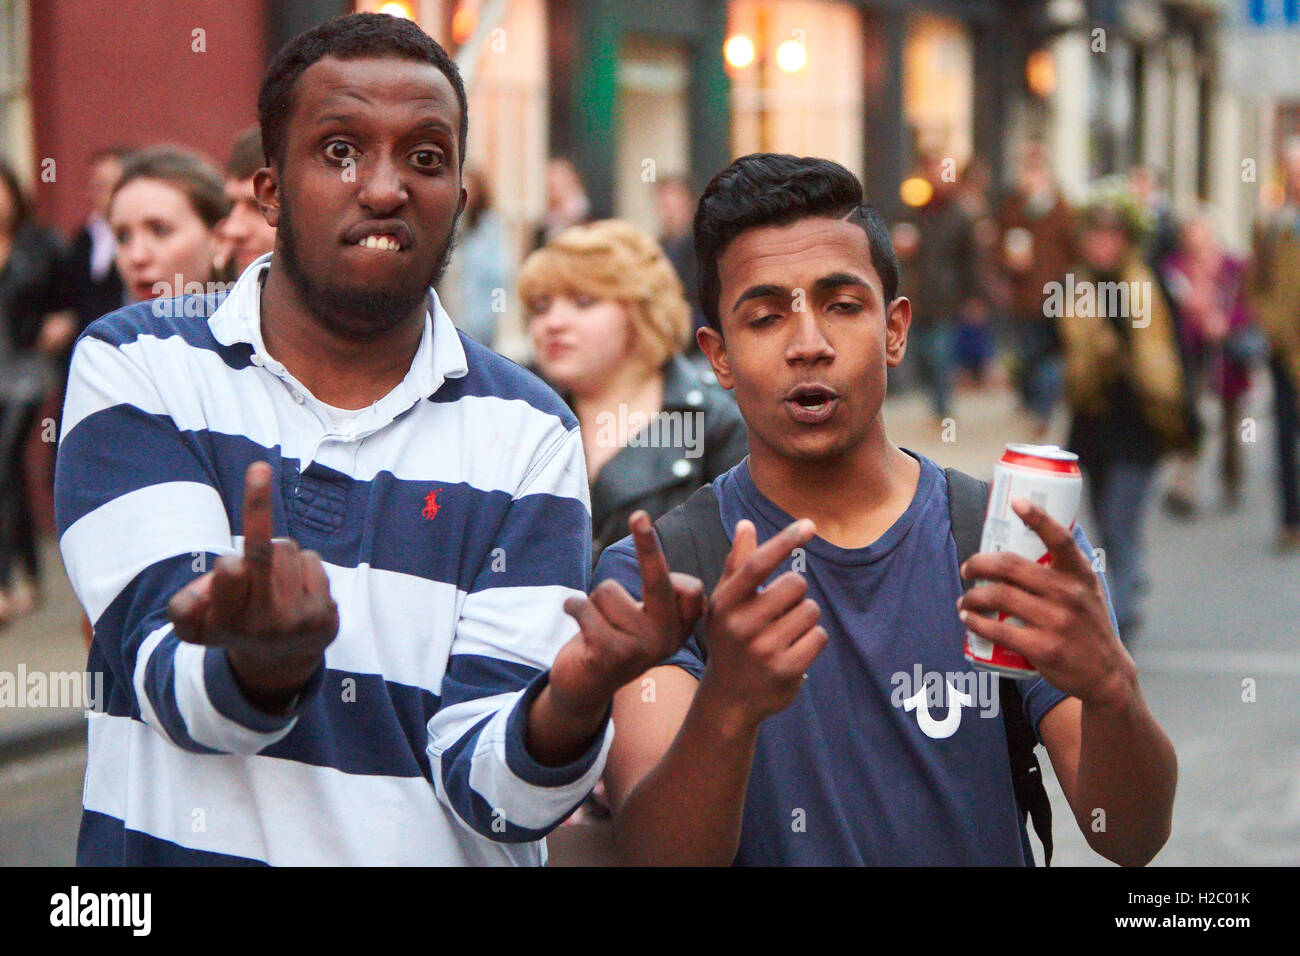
(755, 501)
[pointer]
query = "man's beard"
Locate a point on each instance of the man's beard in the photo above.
(360, 314)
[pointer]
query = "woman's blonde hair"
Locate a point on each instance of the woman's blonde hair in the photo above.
(613, 259)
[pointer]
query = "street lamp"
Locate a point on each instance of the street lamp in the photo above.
(740, 51)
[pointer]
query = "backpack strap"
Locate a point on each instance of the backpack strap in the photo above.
(967, 504)
(696, 543)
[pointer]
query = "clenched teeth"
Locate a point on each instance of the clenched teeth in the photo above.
(380, 242)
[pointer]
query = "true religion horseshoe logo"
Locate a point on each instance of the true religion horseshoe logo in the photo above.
(938, 729)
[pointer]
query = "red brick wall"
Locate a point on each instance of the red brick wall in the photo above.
(124, 71)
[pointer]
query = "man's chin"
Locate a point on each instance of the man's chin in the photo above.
(364, 313)
(810, 446)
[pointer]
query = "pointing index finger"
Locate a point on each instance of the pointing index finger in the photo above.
(750, 574)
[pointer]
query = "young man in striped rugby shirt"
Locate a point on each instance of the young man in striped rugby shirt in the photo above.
(327, 543)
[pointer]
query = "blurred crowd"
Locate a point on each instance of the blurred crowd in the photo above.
(996, 278)
(1141, 324)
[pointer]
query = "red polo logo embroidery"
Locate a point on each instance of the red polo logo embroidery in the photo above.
(430, 505)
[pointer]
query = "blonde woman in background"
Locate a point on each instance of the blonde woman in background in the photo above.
(609, 322)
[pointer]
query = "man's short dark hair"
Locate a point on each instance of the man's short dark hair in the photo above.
(776, 189)
(347, 38)
(246, 155)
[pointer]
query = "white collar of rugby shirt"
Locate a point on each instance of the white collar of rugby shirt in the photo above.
(439, 356)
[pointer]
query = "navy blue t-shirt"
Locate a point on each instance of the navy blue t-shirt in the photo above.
(871, 764)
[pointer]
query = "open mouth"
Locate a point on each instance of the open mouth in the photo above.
(811, 404)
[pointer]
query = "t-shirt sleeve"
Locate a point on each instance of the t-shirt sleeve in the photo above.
(1037, 695)
(618, 562)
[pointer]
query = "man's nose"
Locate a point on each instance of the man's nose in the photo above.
(808, 343)
(383, 190)
(238, 224)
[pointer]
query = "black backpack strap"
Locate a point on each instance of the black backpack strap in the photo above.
(696, 543)
(967, 503)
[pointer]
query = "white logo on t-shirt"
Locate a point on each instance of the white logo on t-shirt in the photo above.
(938, 729)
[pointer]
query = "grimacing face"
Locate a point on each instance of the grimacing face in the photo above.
(366, 199)
(806, 337)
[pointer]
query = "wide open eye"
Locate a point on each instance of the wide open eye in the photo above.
(427, 158)
(338, 150)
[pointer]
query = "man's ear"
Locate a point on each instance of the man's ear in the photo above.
(266, 189)
(898, 319)
(464, 198)
(715, 350)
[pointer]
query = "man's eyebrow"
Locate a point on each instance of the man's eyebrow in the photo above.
(344, 116)
(765, 291)
(335, 118)
(836, 279)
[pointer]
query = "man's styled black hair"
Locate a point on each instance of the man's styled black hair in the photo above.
(776, 189)
(347, 38)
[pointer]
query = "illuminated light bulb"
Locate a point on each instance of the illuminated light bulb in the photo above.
(1040, 73)
(915, 191)
(791, 57)
(463, 22)
(738, 50)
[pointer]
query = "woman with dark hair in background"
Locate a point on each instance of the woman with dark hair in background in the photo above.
(32, 294)
(164, 213)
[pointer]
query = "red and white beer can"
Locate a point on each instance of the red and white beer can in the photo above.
(1044, 475)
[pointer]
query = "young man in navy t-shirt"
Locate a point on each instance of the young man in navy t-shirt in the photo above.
(836, 720)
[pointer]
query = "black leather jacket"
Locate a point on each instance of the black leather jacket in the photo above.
(698, 436)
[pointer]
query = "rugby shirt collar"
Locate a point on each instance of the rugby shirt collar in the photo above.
(440, 355)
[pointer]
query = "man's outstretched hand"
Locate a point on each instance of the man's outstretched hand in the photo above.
(270, 608)
(619, 639)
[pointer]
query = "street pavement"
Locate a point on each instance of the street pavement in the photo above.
(1219, 663)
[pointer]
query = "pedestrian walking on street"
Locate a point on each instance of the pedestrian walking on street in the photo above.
(943, 280)
(1220, 343)
(1036, 246)
(35, 319)
(1274, 298)
(1124, 385)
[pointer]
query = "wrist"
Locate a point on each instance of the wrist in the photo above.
(270, 687)
(574, 711)
(1116, 694)
(556, 734)
(730, 717)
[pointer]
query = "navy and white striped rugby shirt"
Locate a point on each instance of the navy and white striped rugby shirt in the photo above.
(453, 520)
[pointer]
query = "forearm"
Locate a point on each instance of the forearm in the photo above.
(1128, 769)
(687, 811)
